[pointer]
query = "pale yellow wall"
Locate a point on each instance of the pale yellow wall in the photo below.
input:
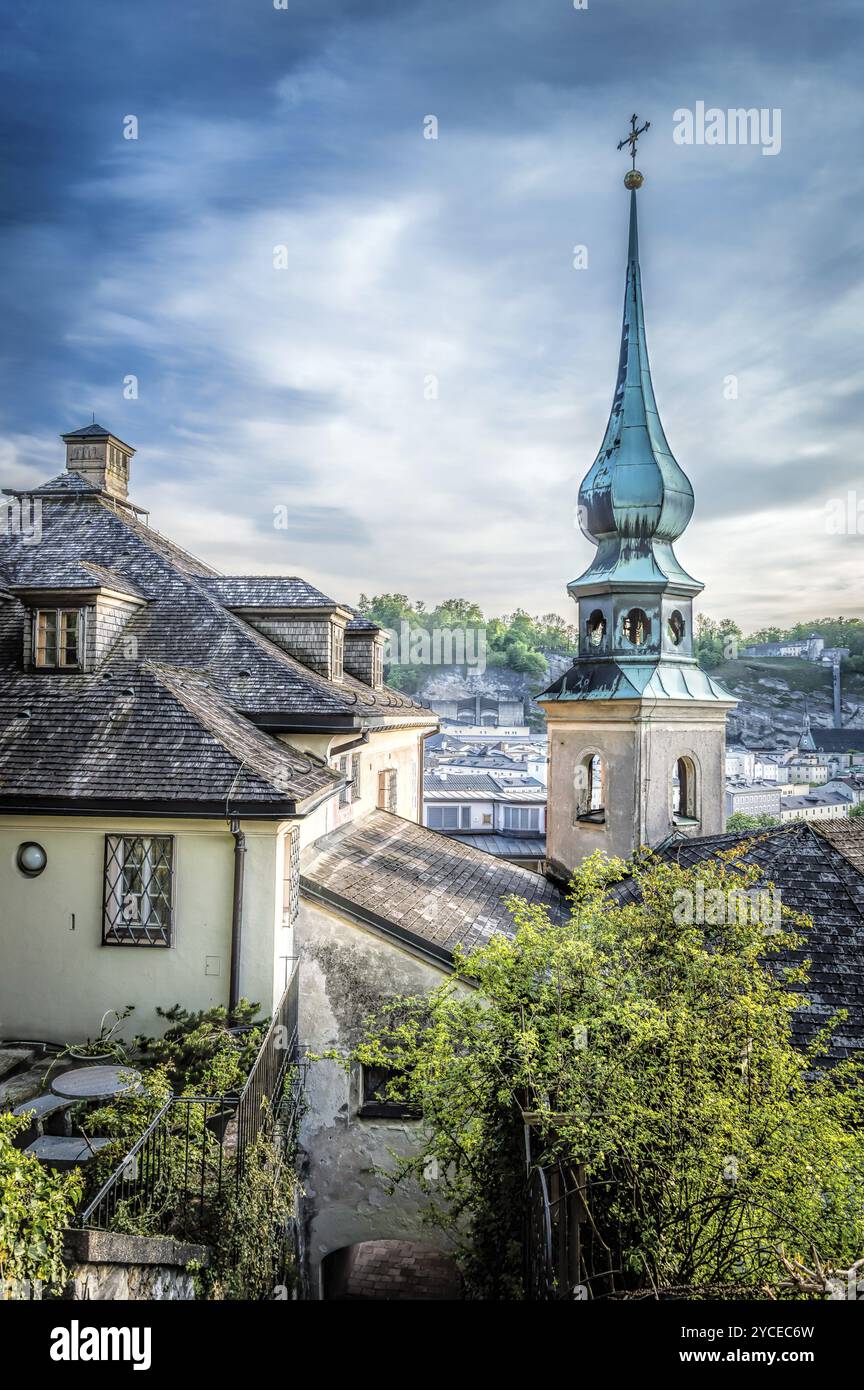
(56, 983)
(401, 749)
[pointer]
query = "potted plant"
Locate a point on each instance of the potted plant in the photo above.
(104, 1048)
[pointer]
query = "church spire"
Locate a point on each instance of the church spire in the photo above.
(636, 727)
(635, 499)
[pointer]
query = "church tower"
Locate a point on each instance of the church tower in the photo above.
(637, 730)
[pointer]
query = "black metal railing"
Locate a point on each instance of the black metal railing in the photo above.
(265, 1083)
(179, 1169)
(174, 1172)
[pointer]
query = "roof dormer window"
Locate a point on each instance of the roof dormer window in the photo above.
(58, 639)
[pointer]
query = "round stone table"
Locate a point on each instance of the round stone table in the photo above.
(97, 1083)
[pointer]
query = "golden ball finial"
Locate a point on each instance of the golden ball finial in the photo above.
(633, 179)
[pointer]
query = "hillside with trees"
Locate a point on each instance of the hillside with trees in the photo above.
(531, 651)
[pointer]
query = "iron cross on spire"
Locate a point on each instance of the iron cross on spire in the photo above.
(635, 131)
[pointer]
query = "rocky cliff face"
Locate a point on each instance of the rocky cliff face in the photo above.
(773, 696)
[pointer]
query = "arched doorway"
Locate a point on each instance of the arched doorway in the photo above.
(374, 1270)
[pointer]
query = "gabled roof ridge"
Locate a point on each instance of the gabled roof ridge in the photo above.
(167, 549)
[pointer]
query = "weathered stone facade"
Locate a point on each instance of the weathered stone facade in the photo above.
(348, 972)
(105, 1266)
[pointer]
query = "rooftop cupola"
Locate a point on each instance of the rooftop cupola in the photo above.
(101, 458)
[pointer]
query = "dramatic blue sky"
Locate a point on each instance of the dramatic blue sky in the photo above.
(306, 386)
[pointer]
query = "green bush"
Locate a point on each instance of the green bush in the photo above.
(658, 1052)
(36, 1205)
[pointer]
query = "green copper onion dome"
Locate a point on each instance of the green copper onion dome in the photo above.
(635, 500)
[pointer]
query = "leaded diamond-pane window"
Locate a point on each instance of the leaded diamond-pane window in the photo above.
(139, 879)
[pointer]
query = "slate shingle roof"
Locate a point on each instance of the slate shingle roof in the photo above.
(359, 622)
(87, 540)
(147, 735)
(414, 883)
(469, 788)
(68, 574)
(818, 870)
(266, 591)
(63, 483)
(834, 741)
(87, 432)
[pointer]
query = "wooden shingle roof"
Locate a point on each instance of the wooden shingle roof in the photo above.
(416, 884)
(204, 678)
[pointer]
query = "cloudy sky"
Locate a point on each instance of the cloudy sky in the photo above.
(386, 334)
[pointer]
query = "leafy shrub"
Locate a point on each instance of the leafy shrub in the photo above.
(36, 1205)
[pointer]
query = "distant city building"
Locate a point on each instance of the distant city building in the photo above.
(819, 805)
(482, 710)
(739, 763)
(509, 753)
(837, 749)
(807, 768)
(753, 799)
(810, 648)
(502, 816)
(851, 787)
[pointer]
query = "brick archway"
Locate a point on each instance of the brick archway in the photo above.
(375, 1270)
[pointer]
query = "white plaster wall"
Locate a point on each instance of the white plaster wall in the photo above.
(56, 983)
(345, 972)
(398, 748)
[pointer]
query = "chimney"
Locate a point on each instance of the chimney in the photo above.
(101, 458)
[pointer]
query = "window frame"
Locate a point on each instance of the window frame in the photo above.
(291, 879)
(337, 653)
(59, 613)
(371, 1109)
(595, 790)
(688, 810)
(461, 812)
(529, 811)
(115, 932)
(388, 790)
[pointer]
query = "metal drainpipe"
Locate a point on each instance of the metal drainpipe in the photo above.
(237, 913)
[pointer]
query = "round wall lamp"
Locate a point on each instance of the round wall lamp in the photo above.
(31, 859)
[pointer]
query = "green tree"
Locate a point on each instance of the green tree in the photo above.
(716, 642)
(657, 1051)
(739, 820)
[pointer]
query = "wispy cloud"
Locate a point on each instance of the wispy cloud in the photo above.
(425, 380)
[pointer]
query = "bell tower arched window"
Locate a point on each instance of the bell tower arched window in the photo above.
(636, 627)
(685, 801)
(591, 789)
(595, 630)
